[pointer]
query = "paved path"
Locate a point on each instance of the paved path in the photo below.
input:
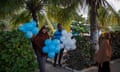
(50, 68)
(115, 67)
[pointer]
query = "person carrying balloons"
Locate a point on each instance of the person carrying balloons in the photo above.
(38, 44)
(58, 35)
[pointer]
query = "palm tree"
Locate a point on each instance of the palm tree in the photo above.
(65, 9)
(9, 7)
(93, 6)
(61, 15)
(107, 18)
(34, 6)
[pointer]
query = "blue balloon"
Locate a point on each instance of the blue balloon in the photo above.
(28, 26)
(51, 54)
(56, 42)
(57, 49)
(52, 48)
(45, 49)
(21, 28)
(34, 24)
(48, 42)
(35, 31)
(28, 34)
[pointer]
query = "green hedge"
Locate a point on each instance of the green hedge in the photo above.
(16, 55)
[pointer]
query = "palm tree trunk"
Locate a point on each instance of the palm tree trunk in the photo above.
(93, 27)
(34, 16)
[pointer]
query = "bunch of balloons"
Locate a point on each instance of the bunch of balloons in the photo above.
(51, 47)
(29, 29)
(69, 43)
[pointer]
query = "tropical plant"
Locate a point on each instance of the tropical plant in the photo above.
(9, 7)
(16, 55)
(15, 7)
(79, 58)
(65, 11)
(61, 15)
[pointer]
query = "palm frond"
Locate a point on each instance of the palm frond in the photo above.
(62, 15)
(8, 7)
(41, 20)
(20, 18)
(63, 3)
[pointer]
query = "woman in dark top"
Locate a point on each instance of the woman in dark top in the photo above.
(38, 43)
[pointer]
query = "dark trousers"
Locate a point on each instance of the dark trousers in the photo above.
(41, 62)
(60, 57)
(105, 67)
(40, 59)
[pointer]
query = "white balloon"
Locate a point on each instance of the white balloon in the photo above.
(64, 33)
(65, 42)
(70, 45)
(62, 38)
(61, 46)
(70, 34)
(73, 40)
(73, 47)
(67, 47)
(69, 41)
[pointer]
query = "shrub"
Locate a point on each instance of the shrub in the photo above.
(81, 57)
(15, 53)
(115, 42)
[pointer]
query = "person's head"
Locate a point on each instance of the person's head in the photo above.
(44, 29)
(104, 36)
(59, 26)
(107, 36)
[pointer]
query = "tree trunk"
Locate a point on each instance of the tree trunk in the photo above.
(93, 27)
(34, 16)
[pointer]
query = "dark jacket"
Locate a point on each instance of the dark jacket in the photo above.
(38, 41)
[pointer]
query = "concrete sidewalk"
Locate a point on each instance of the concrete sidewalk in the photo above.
(50, 68)
(115, 67)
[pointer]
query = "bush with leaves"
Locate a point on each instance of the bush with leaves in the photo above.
(81, 57)
(115, 43)
(15, 53)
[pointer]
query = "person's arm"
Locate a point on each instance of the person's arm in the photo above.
(55, 35)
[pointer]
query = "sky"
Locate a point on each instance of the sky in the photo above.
(114, 3)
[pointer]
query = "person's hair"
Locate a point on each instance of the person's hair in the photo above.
(43, 27)
(59, 24)
(107, 35)
(104, 36)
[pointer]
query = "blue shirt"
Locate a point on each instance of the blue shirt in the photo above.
(57, 34)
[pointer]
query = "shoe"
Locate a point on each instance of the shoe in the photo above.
(54, 65)
(60, 65)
